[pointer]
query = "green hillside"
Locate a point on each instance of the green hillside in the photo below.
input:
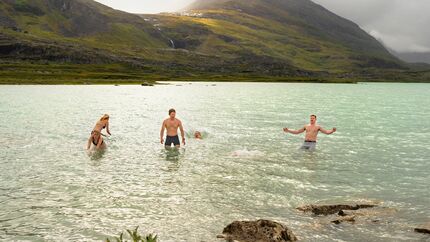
(299, 32)
(272, 40)
(79, 23)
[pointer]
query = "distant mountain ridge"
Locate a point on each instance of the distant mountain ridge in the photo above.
(215, 37)
(414, 57)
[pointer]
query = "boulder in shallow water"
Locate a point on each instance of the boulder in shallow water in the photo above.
(332, 209)
(354, 214)
(258, 231)
(349, 218)
(425, 228)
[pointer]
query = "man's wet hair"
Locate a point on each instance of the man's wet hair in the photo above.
(313, 115)
(172, 110)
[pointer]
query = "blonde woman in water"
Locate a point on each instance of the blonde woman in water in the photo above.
(96, 135)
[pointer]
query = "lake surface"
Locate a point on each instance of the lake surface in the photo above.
(245, 168)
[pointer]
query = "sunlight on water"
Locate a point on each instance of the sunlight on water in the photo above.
(245, 167)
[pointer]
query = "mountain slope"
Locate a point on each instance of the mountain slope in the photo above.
(310, 17)
(74, 24)
(76, 18)
(249, 38)
(295, 32)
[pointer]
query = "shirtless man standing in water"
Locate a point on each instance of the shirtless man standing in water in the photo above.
(312, 130)
(172, 124)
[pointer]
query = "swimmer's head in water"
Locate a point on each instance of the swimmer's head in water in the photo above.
(197, 135)
(172, 113)
(313, 119)
(104, 117)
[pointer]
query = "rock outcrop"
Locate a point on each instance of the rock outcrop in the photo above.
(257, 231)
(340, 213)
(332, 209)
(425, 228)
(350, 219)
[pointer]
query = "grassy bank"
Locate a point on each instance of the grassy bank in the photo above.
(78, 74)
(19, 73)
(48, 73)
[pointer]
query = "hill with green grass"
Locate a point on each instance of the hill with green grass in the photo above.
(76, 31)
(243, 40)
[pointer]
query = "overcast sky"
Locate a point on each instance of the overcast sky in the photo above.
(402, 25)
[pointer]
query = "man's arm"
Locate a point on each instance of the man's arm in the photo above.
(181, 128)
(327, 131)
(162, 132)
(286, 130)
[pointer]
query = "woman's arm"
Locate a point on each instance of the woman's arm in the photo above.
(89, 143)
(107, 128)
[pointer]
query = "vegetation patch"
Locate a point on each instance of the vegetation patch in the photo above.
(25, 7)
(134, 236)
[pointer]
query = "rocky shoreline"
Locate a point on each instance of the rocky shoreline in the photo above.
(271, 231)
(257, 231)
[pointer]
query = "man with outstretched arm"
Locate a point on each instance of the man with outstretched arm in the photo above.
(312, 130)
(172, 124)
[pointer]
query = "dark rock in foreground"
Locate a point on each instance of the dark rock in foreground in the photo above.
(332, 209)
(257, 231)
(425, 229)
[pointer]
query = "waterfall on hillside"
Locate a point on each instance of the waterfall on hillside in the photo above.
(172, 43)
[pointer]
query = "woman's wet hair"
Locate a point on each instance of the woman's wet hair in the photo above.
(104, 117)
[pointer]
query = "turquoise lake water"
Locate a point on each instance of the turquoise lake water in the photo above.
(246, 168)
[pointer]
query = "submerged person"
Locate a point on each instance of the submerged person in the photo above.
(96, 135)
(312, 130)
(197, 135)
(172, 124)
